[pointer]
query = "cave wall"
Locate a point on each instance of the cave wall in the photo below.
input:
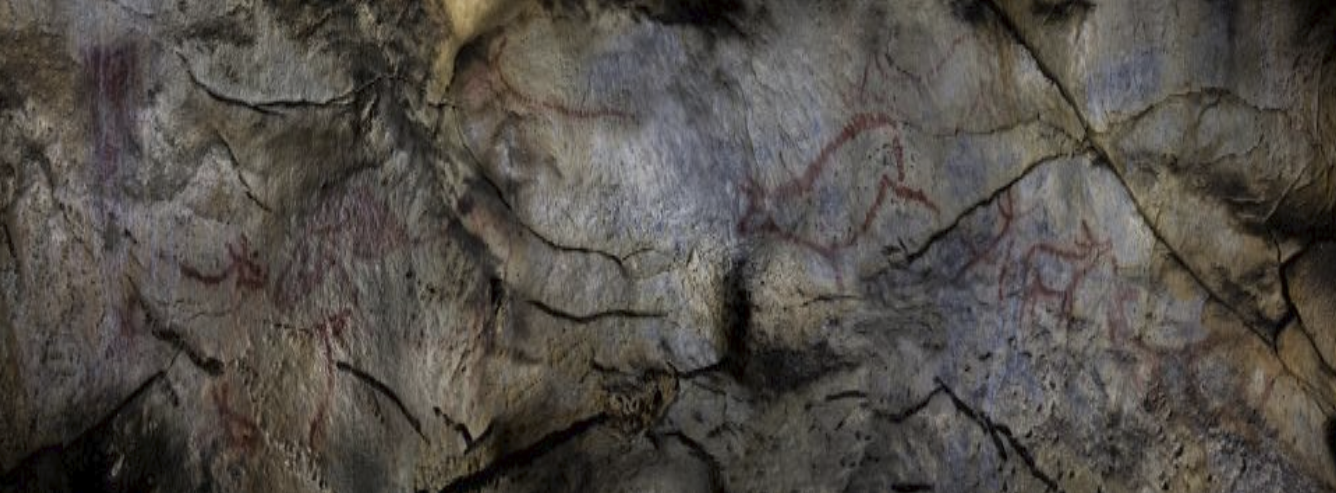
(642, 245)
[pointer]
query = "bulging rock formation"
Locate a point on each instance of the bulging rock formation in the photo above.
(677, 246)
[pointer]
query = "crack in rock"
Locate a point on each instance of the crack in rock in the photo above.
(912, 256)
(518, 459)
(29, 464)
(698, 451)
(1000, 432)
(274, 107)
(385, 390)
(210, 365)
(1047, 72)
(595, 316)
(236, 168)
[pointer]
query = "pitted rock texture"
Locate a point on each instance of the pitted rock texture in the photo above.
(918, 245)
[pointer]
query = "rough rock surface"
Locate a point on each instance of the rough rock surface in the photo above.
(918, 245)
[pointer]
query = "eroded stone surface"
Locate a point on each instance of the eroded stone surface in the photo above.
(672, 246)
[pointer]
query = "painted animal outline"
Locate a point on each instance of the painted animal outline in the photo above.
(1155, 368)
(242, 267)
(758, 217)
(880, 67)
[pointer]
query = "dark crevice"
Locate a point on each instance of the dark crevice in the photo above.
(716, 18)
(593, 317)
(9, 244)
(999, 433)
(621, 267)
(910, 487)
(898, 417)
(1250, 320)
(524, 457)
(1293, 316)
(208, 364)
(1329, 438)
(31, 464)
(501, 196)
(846, 395)
(698, 450)
(470, 441)
(274, 107)
(721, 366)
(1216, 95)
(1058, 11)
(385, 390)
(736, 319)
(1103, 157)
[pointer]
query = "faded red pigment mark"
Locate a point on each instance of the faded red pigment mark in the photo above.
(1081, 257)
(114, 76)
(1076, 260)
(131, 316)
(880, 67)
(504, 89)
(242, 267)
(1165, 362)
(987, 252)
(240, 432)
(759, 218)
(329, 332)
(356, 223)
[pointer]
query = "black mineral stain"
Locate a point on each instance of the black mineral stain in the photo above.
(716, 16)
(783, 370)
(971, 12)
(1059, 11)
(121, 453)
(1329, 433)
(719, 18)
(737, 303)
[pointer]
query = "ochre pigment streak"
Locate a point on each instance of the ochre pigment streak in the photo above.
(759, 218)
(239, 431)
(330, 331)
(248, 274)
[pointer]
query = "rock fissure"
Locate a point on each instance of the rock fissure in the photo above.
(15, 476)
(999, 433)
(1252, 319)
(275, 107)
(512, 461)
(235, 164)
(208, 364)
(389, 393)
(912, 256)
(582, 319)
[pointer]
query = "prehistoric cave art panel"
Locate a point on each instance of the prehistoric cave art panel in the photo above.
(885, 80)
(841, 193)
(1086, 324)
(508, 125)
(351, 229)
(948, 74)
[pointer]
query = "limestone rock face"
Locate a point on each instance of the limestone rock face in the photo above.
(678, 246)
